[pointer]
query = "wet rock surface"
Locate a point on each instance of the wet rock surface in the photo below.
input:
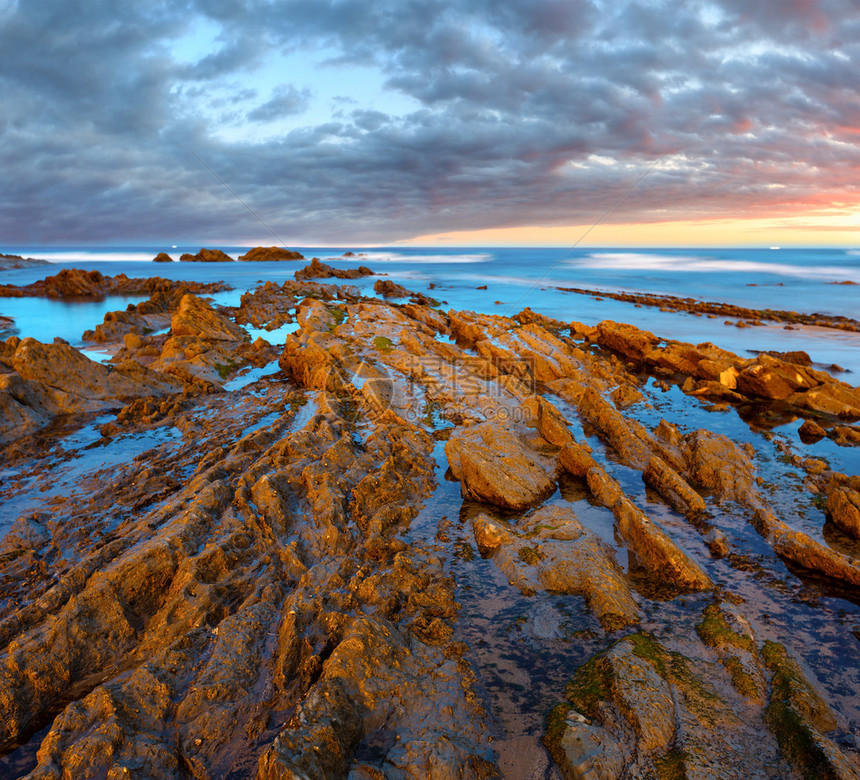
(388, 289)
(390, 544)
(75, 283)
(319, 270)
(673, 303)
(716, 373)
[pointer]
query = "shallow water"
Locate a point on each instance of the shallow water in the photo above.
(524, 648)
(790, 279)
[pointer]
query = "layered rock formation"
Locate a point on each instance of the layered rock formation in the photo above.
(75, 283)
(712, 308)
(319, 270)
(283, 585)
(717, 373)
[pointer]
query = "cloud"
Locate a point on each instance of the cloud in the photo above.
(286, 101)
(508, 112)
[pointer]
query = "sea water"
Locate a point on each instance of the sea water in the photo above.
(803, 280)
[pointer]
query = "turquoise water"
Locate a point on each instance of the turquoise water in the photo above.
(793, 279)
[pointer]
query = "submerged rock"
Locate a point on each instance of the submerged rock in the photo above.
(551, 550)
(641, 710)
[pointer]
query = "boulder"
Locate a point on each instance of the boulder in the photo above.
(575, 459)
(604, 488)
(388, 289)
(717, 463)
(772, 379)
(843, 507)
(629, 340)
(68, 381)
(162, 257)
(52, 379)
(22, 408)
(839, 399)
(811, 432)
(549, 421)
(494, 464)
(626, 395)
(27, 533)
(718, 543)
(197, 319)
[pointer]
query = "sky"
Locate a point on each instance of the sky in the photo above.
(430, 122)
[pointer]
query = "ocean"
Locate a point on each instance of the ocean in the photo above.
(803, 280)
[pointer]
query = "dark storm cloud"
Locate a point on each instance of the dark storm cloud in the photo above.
(516, 110)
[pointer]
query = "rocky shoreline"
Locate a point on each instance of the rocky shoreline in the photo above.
(411, 543)
(746, 317)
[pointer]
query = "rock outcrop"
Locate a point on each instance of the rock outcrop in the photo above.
(206, 256)
(270, 254)
(8, 262)
(716, 372)
(637, 710)
(843, 506)
(673, 303)
(494, 463)
(42, 381)
(202, 343)
(75, 283)
(388, 289)
(318, 270)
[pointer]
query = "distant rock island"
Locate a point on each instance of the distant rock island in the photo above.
(270, 253)
(206, 256)
(8, 262)
(257, 254)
